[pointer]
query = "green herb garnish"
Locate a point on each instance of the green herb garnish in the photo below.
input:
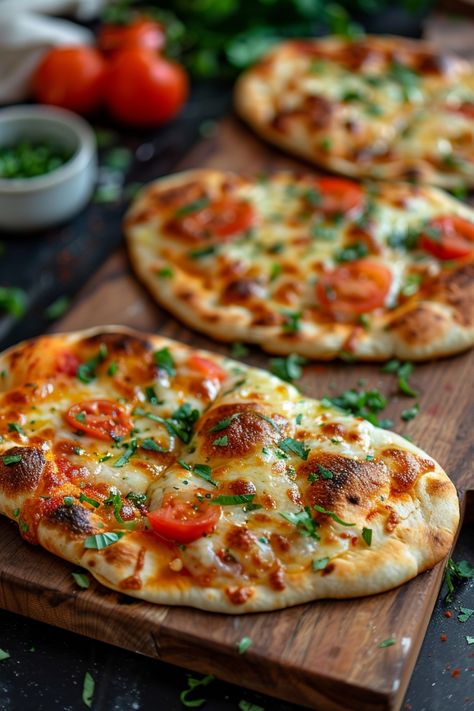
(93, 502)
(294, 446)
(13, 301)
(9, 459)
(304, 522)
(129, 452)
(164, 360)
(244, 644)
(456, 573)
(193, 683)
(331, 514)
(115, 499)
(386, 643)
(88, 687)
(319, 564)
(367, 535)
(236, 500)
(86, 372)
(204, 471)
(192, 207)
(81, 580)
(289, 368)
(103, 540)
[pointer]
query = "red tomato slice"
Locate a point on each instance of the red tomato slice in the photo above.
(184, 521)
(102, 419)
(223, 218)
(467, 109)
(67, 363)
(354, 288)
(450, 237)
(207, 368)
(339, 195)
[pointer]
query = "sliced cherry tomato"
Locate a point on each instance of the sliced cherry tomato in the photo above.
(184, 521)
(224, 218)
(71, 77)
(354, 288)
(141, 32)
(67, 363)
(207, 368)
(144, 89)
(449, 237)
(466, 109)
(102, 419)
(339, 196)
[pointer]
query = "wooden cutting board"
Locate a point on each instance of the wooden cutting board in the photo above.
(324, 655)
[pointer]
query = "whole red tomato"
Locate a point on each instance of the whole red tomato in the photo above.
(144, 89)
(71, 77)
(141, 32)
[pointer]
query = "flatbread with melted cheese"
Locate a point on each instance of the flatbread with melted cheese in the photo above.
(184, 478)
(318, 266)
(379, 107)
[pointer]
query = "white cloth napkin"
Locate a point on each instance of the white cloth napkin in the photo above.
(28, 30)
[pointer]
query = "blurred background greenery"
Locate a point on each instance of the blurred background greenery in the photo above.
(218, 38)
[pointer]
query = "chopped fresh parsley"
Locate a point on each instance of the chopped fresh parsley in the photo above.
(367, 535)
(366, 404)
(80, 417)
(456, 573)
(239, 350)
(68, 500)
(12, 301)
(403, 371)
(221, 441)
(204, 471)
(151, 395)
(275, 271)
(294, 446)
(319, 564)
(93, 502)
(386, 643)
(325, 473)
(152, 446)
(325, 143)
(112, 369)
(352, 252)
(180, 423)
(249, 706)
(165, 273)
(103, 540)
(164, 361)
(244, 644)
(411, 284)
(292, 324)
(15, 427)
(88, 687)
(87, 371)
(222, 424)
(465, 614)
(4, 655)
(57, 308)
(304, 522)
(410, 413)
(202, 251)
(191, 207)
(289, 368)
(136, 498)
(236, 500)
(269, 420)
(129, 452)
(331, 514)
(115, 499)
(193, 683)
(9, 459)
(82, 580)
(405, 240)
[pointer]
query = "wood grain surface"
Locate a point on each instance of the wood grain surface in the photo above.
(324, 655)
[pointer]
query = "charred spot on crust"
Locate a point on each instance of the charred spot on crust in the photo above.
(422, 325)
(241, 290)
(247, 429)
(405, 468)
(353, 481)
(24, 475)
(118, 343)
(435, 63)
(456, 288)
(75, 519)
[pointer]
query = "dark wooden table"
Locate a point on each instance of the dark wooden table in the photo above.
(46, 667)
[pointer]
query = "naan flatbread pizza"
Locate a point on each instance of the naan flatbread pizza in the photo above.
(184, 478)
(320, 266)
(380, 107)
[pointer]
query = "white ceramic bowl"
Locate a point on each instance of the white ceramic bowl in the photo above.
(46, 200)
